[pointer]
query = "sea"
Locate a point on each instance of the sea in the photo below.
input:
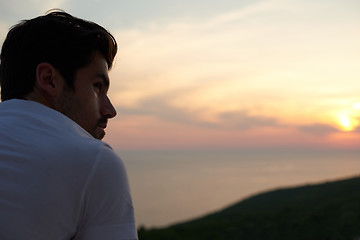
(174, 186)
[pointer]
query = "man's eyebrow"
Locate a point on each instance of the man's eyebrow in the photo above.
(105, 78)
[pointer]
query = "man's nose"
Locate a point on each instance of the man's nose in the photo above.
(107, 109)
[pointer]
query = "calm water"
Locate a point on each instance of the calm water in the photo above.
(174, 186)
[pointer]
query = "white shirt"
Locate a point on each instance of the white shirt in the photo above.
(58, 182)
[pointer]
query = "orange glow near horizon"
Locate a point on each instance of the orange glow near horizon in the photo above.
(147, 132)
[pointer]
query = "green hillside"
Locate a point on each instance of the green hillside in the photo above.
(326, 211)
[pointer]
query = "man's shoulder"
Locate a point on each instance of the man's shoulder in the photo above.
(30, 119)
(43, 133)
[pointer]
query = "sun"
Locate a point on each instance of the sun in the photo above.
(347, 121)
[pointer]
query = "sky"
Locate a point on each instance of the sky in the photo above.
(225, 74)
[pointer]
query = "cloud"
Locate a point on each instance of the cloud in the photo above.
(357, 130)
(243, 120)
(318, 129)
(161, 107)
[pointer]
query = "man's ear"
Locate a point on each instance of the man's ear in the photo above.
(48, 79)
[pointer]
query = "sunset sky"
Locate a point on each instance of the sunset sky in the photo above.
(226, 74)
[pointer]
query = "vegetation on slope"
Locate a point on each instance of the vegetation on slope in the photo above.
(329, 211)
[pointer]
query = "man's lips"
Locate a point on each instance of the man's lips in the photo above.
(102, 124)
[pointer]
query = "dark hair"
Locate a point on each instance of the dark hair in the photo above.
(66, 42)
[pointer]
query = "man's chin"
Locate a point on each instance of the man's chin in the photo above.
(99, 133)
(100, 136)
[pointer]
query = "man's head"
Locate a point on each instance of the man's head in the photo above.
(54, 59)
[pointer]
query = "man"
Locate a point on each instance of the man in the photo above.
(57, 179)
